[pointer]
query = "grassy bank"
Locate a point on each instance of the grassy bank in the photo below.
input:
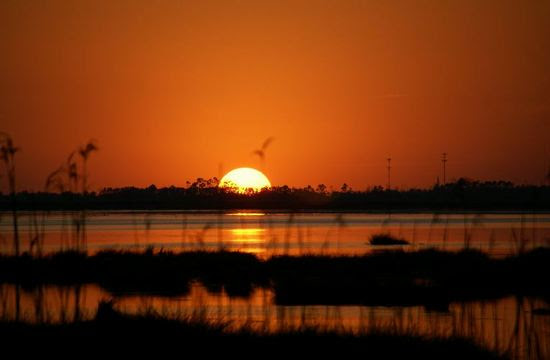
(428, 277)
(135, 333)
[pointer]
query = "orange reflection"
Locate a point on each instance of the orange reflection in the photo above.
(247, 214)
(255, 235)
(492, 323)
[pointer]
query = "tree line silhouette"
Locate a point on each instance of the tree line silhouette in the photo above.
(462, 194)
(66, 188)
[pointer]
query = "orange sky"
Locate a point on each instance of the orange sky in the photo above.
(171, 89)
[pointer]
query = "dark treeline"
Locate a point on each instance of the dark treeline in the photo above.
(462, 194)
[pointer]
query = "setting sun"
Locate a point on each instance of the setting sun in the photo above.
(244, 179)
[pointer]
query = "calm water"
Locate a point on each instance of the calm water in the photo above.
(507, 324)
(277, 233)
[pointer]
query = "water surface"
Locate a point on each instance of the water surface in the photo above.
(508, 324)
(268, 233)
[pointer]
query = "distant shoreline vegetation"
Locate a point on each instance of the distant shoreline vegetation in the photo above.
(204, 194)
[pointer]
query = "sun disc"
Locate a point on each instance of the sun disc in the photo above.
(243, 179)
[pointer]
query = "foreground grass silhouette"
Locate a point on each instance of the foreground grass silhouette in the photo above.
(428, 277)
(149, 331)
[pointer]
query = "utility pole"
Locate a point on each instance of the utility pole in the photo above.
(444, 161)
(389, 173)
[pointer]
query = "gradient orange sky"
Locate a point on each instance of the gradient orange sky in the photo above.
(171, 89)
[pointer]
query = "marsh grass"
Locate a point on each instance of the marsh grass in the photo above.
(427, 277)
(516, 332)
(196, 334)
(7, 155)
(72, 178)
(261, 152)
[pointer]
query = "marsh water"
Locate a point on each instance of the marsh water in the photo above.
(510, 324)
(519, 326)
(269, 233)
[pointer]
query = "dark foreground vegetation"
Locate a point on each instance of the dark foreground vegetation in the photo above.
(430, 277)
(462, 194)
(112, 330)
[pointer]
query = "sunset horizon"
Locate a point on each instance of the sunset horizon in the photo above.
(306, 178)
(188, 90)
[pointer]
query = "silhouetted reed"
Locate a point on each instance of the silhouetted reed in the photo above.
(518, 332)
(261, 152)
(72, 178)
(111, 328)
(7, 156)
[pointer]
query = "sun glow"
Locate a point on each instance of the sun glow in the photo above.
(243, 179)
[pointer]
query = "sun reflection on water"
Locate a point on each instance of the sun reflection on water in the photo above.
(252, 235)
(247, 214)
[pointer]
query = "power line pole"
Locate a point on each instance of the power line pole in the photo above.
(444, 161)
(389, 173)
